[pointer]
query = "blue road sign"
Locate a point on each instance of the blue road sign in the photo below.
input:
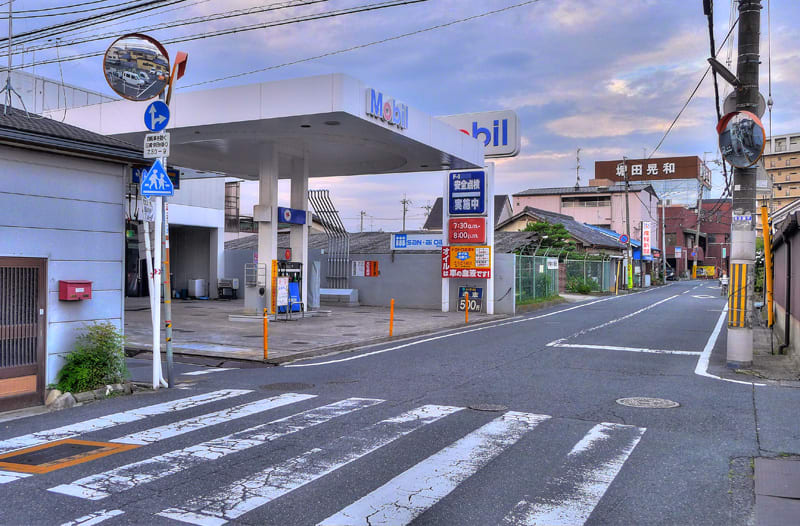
(156, 182)
(156, 116)
(467, 195)
(623, 239)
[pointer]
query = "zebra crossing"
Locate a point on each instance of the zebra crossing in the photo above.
(567, 496)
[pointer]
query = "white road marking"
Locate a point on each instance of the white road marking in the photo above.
(149, 436)
(103, 422)
(627, 349)
(409, 494)
(11, 476)
(611, 322)
(94, 518)
(591, 480)
(209, 371)
(702, 362)
(101, 485)
(254, 491)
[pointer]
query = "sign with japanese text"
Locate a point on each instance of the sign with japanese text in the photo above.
(467, 230)
(467, 193)
(475, 298)
(156, 145)
(552, 263)
(274, 284)
(640, 170)
(282, 294)
(365, 269)
(646, 238)
(415, 242)
(466, 262)
(678, 251)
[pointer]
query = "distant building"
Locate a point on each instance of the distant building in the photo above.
(714, 241)
(502, 211)
(782, 162)
(602, 206)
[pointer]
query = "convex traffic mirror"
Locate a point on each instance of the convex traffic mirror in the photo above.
(741, 138)
(136, 67)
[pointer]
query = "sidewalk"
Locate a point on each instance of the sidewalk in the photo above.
(203, 328)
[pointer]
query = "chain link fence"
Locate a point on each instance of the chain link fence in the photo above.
(600, 275)
(534, 281)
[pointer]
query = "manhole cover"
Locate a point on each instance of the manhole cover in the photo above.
(648, 403)
(488, 407)
(287, 386)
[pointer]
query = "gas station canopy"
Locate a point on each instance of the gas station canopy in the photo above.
(336, 122)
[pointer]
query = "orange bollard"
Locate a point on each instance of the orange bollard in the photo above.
(266, 335)
(466, 307)
(391, 317)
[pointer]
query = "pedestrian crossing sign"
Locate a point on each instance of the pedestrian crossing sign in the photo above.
(156, 182)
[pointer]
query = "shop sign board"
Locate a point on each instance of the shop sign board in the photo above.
(678, 251)
(415, 242)
(646, 238)
(386, 109)
(282, 294)
(552, 263)
(475, 298)
(467, 193)
(292, 216)
(654, 169)
(365, 269)
(467, 230)
(466, 262)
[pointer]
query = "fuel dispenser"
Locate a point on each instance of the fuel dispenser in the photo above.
(294, 271)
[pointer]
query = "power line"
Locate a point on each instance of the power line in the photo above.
(185, 22)
(318, 16)
(361, 46)
(65, 13)
(64, 6)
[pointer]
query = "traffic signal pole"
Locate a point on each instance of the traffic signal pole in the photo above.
(743, 233)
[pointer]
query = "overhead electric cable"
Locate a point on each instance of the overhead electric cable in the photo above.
(65, 13)
(361, 46)
(223, 32)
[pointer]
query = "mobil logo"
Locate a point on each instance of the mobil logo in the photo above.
(498, 130)
(386, 109)
(496, 136)
(462, 255)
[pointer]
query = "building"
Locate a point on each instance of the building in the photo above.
(502, 211)
(678, 180)
(785, 254)
(62, 215)
(714, 240)
(782, 162)
(602, 206)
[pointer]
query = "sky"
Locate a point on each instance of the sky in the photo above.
(606, 76)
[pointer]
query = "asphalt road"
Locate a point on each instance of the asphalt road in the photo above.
(387, 434)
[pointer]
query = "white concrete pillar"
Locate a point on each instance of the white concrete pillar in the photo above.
(445, 239)
(490, 236)
(299, 233)
(266, 212)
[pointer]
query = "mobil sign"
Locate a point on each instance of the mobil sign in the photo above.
(499, 130)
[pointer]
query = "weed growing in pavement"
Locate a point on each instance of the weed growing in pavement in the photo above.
(97, 360)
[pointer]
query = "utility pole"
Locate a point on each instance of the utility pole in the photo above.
(743, 242)
(628, 223)
(697, 229)
(405, 202)
(664, 239)
(363, 213)
(578, 169)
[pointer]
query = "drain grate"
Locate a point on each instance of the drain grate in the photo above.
(648, 403)
(287, 386)
(60, 454)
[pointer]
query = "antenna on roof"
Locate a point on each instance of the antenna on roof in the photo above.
(7, 88)
(578, 169)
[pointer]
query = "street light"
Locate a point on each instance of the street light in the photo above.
(720, 69)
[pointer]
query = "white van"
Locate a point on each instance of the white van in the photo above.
(132, 78)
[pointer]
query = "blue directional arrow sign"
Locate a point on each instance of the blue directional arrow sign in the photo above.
(156, 182)
(156, 116)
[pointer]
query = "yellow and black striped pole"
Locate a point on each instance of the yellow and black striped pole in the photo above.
(737, 295)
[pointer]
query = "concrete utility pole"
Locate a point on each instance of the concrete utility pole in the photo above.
(697, 229)
(743, 234)
(664, 239)
(363, 213)
(628, 224)
(405, 202)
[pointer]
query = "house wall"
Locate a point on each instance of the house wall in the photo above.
(69, 211)
(792, 300)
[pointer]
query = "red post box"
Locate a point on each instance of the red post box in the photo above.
(74, 290)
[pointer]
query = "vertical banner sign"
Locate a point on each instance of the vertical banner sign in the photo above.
(274, 286)
(646, 238)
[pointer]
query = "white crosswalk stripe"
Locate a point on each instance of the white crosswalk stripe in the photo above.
(150, 436)
(567, 496)
(406, 496)
(96, 487)
(256, 490)
(592, 479)
(124, 417)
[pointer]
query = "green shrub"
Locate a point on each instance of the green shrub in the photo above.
(98, 359)
(581, 286)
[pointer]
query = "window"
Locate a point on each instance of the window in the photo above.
(671, 240)
(586, 202)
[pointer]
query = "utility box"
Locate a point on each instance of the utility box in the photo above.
(74, 290)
